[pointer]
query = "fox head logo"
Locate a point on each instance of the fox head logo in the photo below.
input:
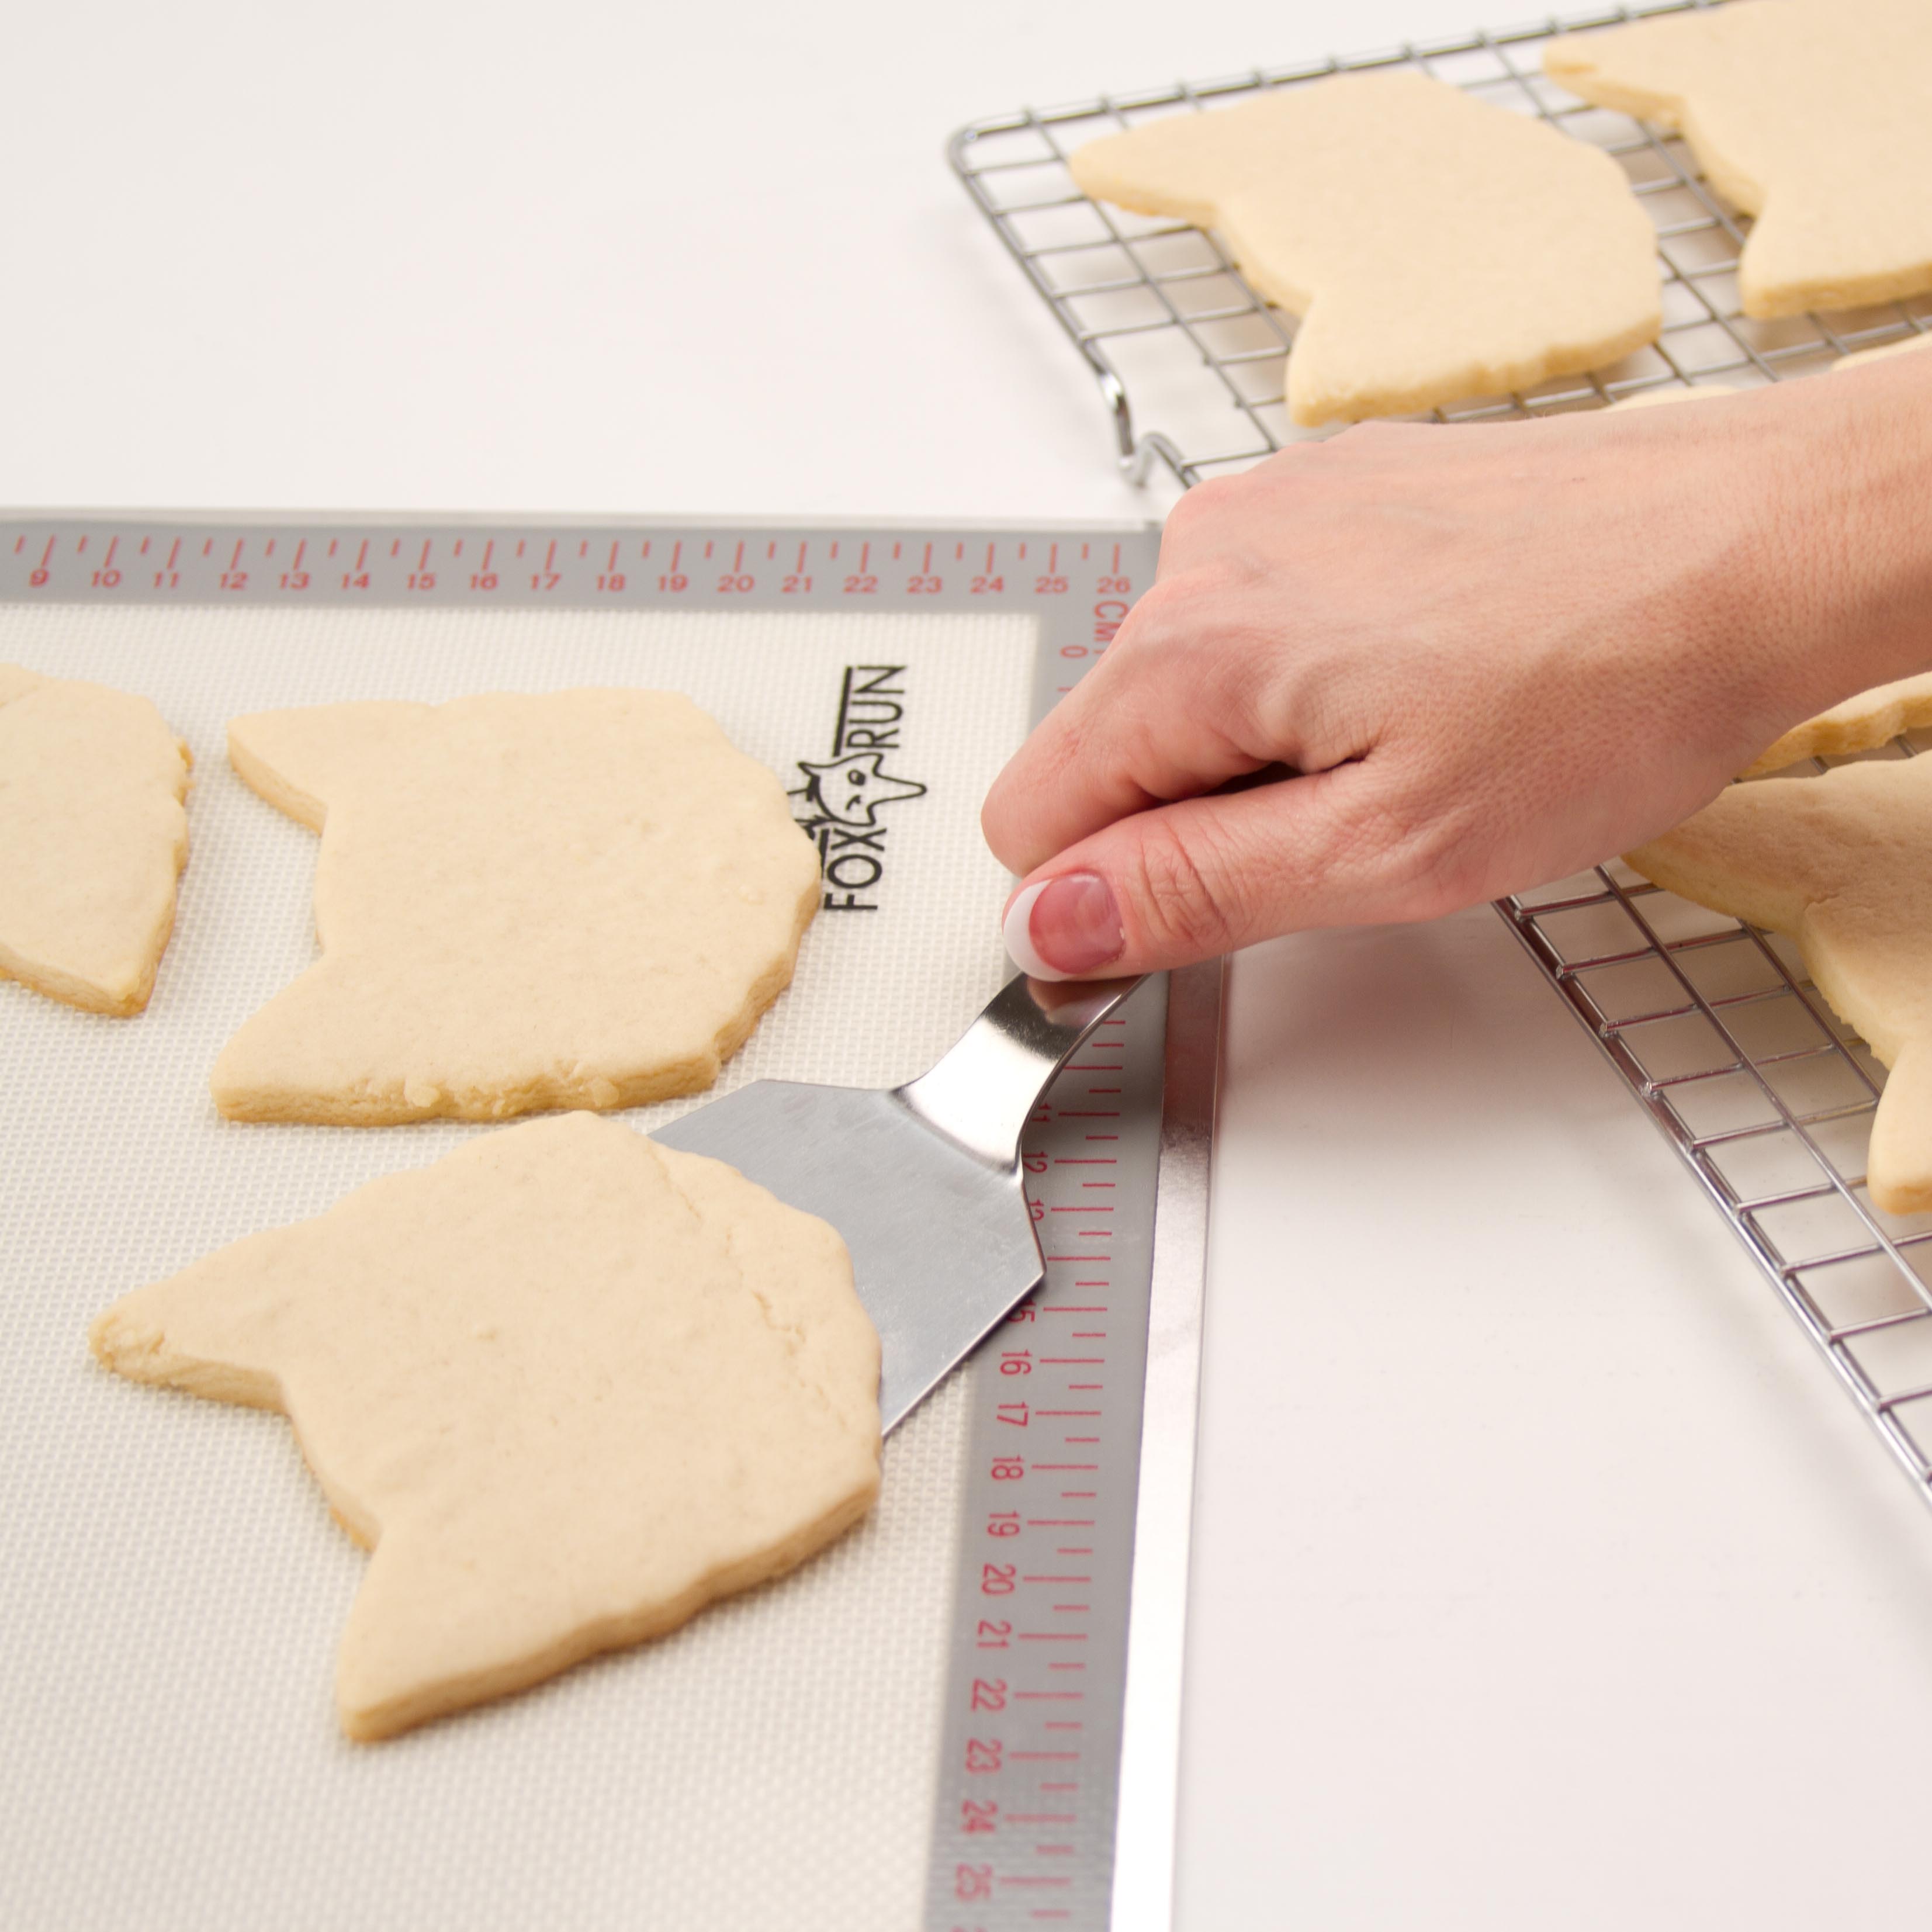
(848, 791)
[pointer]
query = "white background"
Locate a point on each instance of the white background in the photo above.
(1542, 1578)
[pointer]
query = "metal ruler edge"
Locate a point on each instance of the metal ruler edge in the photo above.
(1101, 1854)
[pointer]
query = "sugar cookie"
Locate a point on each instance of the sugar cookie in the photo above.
(568, 1385)
(1649, 399)
(93, 838)
(1434, 247)
(581, 900)
(1857, 724)
(1843, 863)
(1813, 116)
(1860, 358)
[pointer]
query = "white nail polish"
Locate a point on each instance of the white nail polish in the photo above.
(1019, 936)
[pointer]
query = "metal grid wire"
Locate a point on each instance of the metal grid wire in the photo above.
(1169, 328)
(1768, 1098)
(1765, 1094)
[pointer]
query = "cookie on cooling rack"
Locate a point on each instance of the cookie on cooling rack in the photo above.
(1860, 358)
(1842, 863)
(1813, 116)
(1652, 399)
(1434, 247)
(1857, 724)
(1871, 717)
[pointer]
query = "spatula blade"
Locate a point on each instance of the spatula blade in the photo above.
(942, 1241)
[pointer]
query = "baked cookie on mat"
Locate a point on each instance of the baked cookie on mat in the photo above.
(1815, 116)
(566, 1385)
(1843, 863)
(93, 838)
(1434, 247)
(584, 899)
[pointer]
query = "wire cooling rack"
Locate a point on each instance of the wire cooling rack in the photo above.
(1766, 1096)
(1191, 362)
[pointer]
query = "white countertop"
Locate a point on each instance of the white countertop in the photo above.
(1542, 1578)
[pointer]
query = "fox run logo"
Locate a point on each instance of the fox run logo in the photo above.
(839, 802)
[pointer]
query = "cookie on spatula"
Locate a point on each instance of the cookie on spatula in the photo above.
(1843, 863)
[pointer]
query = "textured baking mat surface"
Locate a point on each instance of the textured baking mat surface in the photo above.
(171, 1586)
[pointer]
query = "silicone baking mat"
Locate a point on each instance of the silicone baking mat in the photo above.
(172, 1586)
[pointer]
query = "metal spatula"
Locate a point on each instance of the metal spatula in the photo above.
(923, 1180)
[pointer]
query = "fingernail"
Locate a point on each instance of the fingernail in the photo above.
(1064, 928)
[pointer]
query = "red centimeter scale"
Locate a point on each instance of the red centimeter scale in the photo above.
(292, 563)
(116, 560)
(1036, 1634)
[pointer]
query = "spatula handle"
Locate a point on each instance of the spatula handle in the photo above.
(981, 1092)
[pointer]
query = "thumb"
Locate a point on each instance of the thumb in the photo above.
(1184, 882)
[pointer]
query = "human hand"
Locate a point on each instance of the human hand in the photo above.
(1497, 655)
